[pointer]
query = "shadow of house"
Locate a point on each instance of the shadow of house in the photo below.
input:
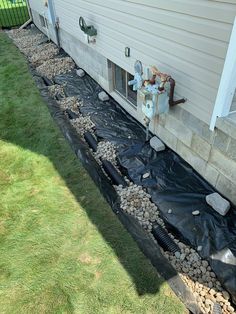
(31, 134)
(23, 127)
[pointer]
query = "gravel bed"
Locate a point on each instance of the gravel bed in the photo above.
(19, 33)
(106, 150)
(43, 53)
(31, 50)
(53, 67)
(200, 278)
(83, 124)
(136, 202)
(28, 41)
(194, 271)
(56, 91)
(71, 103)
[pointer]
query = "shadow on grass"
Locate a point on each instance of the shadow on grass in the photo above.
(26, 122)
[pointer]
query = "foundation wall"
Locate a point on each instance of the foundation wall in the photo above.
(212, 154)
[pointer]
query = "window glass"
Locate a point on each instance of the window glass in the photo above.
(120, 80)
(132, 95)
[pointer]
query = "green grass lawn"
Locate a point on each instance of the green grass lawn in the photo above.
(13, 14)
(62, 250)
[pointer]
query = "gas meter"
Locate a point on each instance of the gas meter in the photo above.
(153, 93)
(154, 101)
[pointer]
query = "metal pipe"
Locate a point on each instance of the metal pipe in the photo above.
(147, 122)
(173, 102)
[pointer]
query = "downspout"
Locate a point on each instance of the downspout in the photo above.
(56, 27)
(46, 23)
(55, 21)
(227, 84)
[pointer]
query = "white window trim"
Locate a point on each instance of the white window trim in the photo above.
(227, 85)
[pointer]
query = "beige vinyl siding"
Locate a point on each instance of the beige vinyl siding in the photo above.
(37, 5)
(186, 38)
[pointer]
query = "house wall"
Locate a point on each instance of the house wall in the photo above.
(233, 107)
(187, 39)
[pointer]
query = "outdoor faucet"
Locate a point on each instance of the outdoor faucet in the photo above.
(137, 82)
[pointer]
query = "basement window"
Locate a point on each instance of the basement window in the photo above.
(120, 81)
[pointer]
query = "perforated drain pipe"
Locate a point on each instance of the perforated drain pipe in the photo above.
(163, 239)
(111, 171)
(90, 139)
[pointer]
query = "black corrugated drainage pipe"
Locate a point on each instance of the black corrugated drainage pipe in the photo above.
(90, 139)
(71, 114)
(116, 178)
(47, 81)
(163, 239)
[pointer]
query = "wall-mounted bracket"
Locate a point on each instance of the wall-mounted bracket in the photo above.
(89, 30)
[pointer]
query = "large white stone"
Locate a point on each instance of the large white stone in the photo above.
(218, 203)
(157, 144)
(80, 73)
(103, 96)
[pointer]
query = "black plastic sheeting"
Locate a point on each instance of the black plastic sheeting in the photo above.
(173, 184)
(145, 243)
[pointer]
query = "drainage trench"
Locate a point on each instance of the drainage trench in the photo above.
(153, 194)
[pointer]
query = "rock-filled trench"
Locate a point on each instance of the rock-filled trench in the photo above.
(134, 199)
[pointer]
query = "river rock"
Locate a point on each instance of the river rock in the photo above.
(80, 73)
(157, 144)
(218, 203)
(103, 96)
